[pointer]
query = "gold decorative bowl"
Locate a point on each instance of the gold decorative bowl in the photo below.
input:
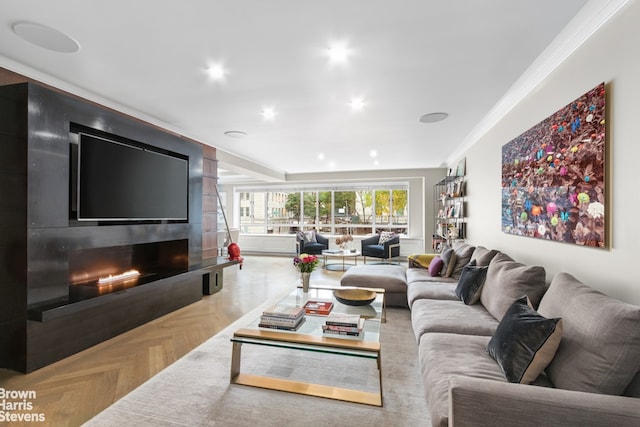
(354, 296)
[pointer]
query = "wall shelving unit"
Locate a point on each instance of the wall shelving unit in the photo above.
(449, 211)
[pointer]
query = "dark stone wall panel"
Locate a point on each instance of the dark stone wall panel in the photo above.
(56, 339)
(37, 233)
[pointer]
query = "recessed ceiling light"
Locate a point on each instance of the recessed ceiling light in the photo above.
(45, 37)
(373, 153)
(268, 113)
(338, 52)
(357, 104)
(235, 134)
(433, 117)
(321, 156)
(216, 72)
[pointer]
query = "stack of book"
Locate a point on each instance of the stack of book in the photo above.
(284, 317)
(343, 324)
(318, 307)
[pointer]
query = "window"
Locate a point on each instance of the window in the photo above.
(358, 211)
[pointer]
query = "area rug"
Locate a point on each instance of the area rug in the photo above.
(195, 390)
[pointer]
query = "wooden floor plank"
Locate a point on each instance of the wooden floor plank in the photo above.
(75, 389)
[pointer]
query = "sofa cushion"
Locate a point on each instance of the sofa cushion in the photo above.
(435, 266)
(415, 275)
(507, 281)
(421, 285)
(600, 350)
(431, 290)
(463, 252)
(449, 259)
(470, 283)
(524, 342)
(390, 277)
(445, 355)
(483, 256)
(431, 315)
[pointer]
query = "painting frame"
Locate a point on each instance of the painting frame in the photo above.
(554, 178)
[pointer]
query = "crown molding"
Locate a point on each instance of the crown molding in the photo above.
(587, 22)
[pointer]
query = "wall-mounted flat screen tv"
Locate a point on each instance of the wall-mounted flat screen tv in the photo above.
(121, 182)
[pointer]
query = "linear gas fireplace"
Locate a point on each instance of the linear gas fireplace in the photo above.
(100, 271)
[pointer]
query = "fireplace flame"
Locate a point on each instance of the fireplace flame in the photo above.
(122, 277)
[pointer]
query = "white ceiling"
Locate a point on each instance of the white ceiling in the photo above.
(408, 58)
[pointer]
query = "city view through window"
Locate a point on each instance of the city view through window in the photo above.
(357, 212)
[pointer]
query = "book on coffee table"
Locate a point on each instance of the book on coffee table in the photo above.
(318, 307)
(341, 319)
(284, 311)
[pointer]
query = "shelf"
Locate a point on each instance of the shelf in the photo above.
(449, 210)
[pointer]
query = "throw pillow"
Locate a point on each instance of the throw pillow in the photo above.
(449, 260)
(483, 256)
(470, 283)
(463, 253)
(435, 266)
(310, 237)
(507, 281)
(385, 236)
(524, 342)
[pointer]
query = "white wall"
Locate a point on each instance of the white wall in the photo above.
(610, 55)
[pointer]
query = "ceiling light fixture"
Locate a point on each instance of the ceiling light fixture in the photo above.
(216, 72)
(357, 104)
(45, 37)
(321, 156)
(235, 134)
(433, 117)
(373, 153)
(338, 52)
(268, 113)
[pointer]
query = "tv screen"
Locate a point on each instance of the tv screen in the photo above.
(120, 182)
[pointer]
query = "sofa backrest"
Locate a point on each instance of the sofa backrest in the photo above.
(483, 256)
(463, 252)
(633, 389)
(600, 347)
(507, 281)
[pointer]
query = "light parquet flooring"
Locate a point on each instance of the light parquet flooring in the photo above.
(75, 389)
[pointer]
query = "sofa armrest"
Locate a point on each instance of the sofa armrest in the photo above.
(480, 402)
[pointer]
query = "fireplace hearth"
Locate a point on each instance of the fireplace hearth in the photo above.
(100, 271)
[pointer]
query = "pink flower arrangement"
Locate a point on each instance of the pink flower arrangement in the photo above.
(305, 263)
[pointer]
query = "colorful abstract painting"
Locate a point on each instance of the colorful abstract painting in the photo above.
(553, 176)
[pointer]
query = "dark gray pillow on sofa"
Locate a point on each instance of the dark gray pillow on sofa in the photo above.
(449, 261)
(524, 342)
(470, 283)
(507, 281)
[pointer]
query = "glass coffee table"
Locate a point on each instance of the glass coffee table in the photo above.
(343, 254)
(309, 337)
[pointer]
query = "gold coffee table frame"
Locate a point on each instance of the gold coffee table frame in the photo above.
(367, 347)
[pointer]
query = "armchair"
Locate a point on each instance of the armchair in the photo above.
(310, 242)
(385, 245)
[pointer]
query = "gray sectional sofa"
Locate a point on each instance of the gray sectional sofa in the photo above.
(583, 368)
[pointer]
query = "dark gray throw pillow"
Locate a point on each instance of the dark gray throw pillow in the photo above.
(470, 283)
(524, 342)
